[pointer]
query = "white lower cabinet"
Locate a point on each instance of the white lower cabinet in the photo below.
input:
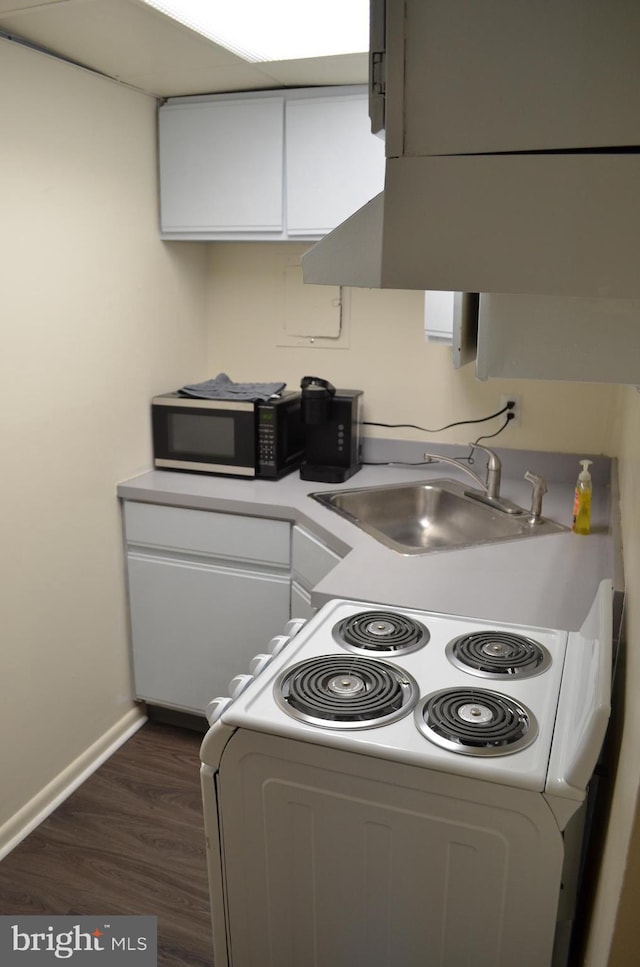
(207, 591)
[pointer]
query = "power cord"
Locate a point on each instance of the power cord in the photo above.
(468, 459)
(425, 429)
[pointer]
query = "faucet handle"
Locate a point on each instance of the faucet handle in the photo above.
(494, 459)
(494, 470)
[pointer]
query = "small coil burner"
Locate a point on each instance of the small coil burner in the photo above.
(475, 722)
(498, 654)
(345, 692)
(381, 631)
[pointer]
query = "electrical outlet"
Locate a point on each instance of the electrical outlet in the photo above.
(516, 410)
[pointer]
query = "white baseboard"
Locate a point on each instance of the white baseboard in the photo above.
(43, 803)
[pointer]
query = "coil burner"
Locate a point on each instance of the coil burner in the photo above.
(381, 631)
(498, 654)
(346, 692)
(474, 721)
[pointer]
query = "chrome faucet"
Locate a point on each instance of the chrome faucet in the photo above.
(494, 471)
(490, 487)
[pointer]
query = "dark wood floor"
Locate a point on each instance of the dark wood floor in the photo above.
(129, 841)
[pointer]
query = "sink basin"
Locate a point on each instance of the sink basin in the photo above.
(416, 518)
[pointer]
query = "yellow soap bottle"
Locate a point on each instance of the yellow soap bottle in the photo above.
(582, 500)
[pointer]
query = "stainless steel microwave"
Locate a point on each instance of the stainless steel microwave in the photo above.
(238, 438)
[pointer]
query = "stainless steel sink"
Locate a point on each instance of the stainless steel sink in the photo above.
(416, 518)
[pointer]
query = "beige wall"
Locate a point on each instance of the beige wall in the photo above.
(405, 379)
(96, 315)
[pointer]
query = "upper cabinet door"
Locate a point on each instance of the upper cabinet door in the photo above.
(221, 164)
(512, 75)
(334, 163)
(541, 337)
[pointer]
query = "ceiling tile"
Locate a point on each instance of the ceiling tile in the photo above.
(115, 36)
(175, 81)
(338, 69)
(138, 45)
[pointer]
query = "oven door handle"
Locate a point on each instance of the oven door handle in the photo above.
(585, 701)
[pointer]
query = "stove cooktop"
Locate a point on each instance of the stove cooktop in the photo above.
(466, 696)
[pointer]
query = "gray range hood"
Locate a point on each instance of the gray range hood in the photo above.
(558, 268)
(352, 253)
(556, 224)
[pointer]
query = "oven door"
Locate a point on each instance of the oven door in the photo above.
(204, 435)
(213, 745)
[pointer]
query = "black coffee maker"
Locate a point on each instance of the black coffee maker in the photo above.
(331, 420)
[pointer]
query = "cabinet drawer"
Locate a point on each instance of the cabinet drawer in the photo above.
(311, 559)
(228, 536)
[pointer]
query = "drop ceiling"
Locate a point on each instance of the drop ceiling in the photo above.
(141, 47)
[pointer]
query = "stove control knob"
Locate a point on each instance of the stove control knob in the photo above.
(258, 663)
(238, 684)
(294, 626)
(278, 643)
(216, 707)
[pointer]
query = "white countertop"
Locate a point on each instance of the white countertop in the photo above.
(549, 580)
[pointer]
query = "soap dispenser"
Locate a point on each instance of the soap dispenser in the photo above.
(582, 500)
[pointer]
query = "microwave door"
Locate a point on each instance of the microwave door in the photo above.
(212, 439)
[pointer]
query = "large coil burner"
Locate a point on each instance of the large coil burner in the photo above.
(381, 631)
(475, 721)
(498, 654)
(346, 692)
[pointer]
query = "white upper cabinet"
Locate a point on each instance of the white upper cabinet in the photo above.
(541, 337)
(266, 165)
(511, 75)
(334, 164)
(221, 165)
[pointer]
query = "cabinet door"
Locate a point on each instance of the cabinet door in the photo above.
(541, 337)
(194, 626)
(334, 163)
(507, 76)
(311, 559)
(301, 602)
(221, 165)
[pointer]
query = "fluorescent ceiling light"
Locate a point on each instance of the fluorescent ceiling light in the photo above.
(263, 30)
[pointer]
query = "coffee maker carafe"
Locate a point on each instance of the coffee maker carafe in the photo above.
(331, 420)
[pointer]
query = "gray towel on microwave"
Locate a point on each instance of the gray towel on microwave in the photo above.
(222, 388)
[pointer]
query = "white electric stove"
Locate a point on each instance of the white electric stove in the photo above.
(398, 787)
